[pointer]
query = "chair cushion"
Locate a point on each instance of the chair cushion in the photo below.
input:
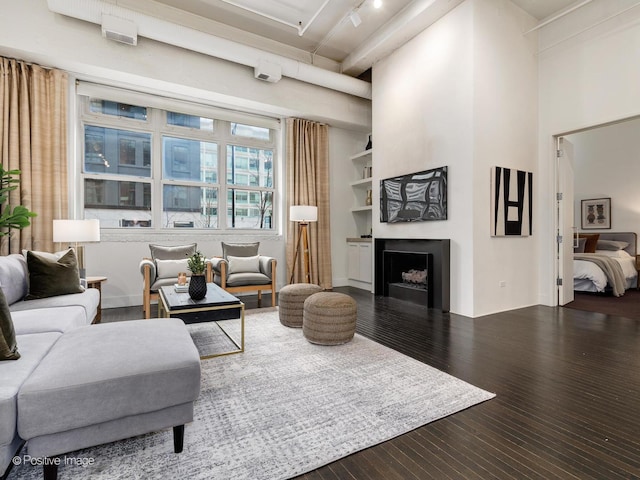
(241, 279)
(240, 249)
(49, 277)
(244, 264)
(171, 268)
(8, 345)
(162, 252)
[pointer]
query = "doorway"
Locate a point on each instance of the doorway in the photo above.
(605, 165)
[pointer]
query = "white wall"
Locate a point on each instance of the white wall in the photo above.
(607, 162)
(31, 32)
(505, 123)
(422, 119)
(590, 78)
(463, 94)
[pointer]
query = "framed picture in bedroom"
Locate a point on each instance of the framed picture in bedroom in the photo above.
(596, 214)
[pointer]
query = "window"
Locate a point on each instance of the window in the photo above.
(167, 169)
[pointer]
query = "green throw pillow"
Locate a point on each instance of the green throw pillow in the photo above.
(8, 346)
(48, 278)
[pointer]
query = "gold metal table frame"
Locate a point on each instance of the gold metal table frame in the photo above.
(164, 311)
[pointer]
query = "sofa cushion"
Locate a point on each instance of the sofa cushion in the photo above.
(48, 277)
(13, 277)
(13, 374)
(8, 345)
(99, 373)
(88, 300)
(244, 264)
(162, 252)
(40, 320)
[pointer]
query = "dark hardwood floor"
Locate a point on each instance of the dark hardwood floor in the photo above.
(567, 384)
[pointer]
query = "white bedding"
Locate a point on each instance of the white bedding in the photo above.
(589, 278)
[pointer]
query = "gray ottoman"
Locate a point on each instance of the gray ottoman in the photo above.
(291, 302)
(106, 382)
(329, 318)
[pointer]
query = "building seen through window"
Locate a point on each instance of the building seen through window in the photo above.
(129, 183)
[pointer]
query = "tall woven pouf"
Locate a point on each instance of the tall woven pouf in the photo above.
(291, 302)
(329, 318)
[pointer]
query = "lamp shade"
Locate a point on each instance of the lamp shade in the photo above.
(303, 213)
(77, 231)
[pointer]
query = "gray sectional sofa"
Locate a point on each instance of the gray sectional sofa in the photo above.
(78, 385)
(38, 324)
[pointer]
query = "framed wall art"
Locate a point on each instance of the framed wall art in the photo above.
(511, 202)
(416, 197)
(596, 214)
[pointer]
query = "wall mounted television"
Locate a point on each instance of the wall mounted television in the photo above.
(416, 197)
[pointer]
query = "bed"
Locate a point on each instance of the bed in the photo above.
(619, 247)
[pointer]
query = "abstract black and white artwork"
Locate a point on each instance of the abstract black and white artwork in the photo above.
(416, 197)
(511, 202)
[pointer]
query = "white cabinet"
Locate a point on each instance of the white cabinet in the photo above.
(360, 261)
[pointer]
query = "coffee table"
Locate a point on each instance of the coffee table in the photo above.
(216, 306)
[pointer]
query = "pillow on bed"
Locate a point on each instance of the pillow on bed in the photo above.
(592, 242)
(581, 244)
(611, 245)
(614, 253)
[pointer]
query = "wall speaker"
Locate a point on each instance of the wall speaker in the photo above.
(268, 71)
(119, 30)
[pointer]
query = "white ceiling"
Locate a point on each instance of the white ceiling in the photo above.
(322, 28)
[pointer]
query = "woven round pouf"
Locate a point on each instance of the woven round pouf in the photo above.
(329, 318)
(291, 302)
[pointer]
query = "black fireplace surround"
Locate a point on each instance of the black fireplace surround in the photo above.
(395, 256)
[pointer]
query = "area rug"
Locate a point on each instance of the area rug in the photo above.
(282, 408)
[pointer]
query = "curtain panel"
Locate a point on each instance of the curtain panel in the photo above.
(33, 139)
(308, 184)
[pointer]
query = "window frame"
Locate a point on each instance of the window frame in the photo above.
(157, 125)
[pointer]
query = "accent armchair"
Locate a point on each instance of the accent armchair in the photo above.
(162, 269)
(242, 269)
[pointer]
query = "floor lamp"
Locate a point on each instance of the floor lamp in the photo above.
(75, 232)
(303, 214)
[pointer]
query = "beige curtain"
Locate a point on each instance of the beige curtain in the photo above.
(308, 184)
(33, 139)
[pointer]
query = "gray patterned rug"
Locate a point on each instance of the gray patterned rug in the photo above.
(282, 408)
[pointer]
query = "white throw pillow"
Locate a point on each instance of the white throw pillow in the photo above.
(244, 264)
(171, 268)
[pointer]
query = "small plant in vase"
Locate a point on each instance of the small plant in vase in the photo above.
(197, 265)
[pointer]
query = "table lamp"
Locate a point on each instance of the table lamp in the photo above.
(75, 232)
(303, 214)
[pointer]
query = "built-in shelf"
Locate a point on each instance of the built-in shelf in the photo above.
(365, 182)
(360, 249)
(364, 208)
(362, 155)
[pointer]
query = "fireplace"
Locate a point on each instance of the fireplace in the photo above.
(415, 270)
(407, 276)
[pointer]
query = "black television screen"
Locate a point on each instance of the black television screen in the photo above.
(416, 197)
